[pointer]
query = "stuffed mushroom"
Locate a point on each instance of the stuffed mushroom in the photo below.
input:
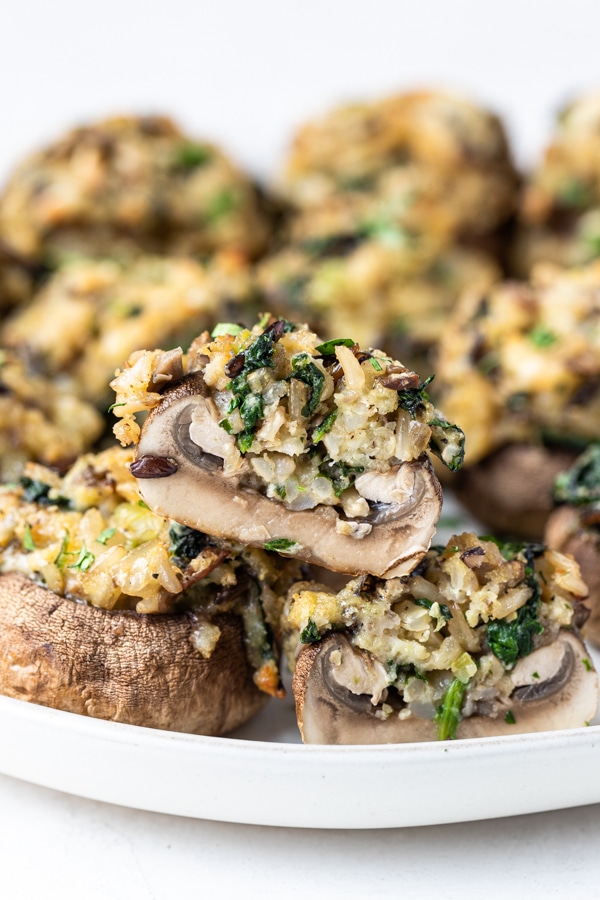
(480, 639)
(519, 367)
(275, 439)
(112, 611)
(127, 185)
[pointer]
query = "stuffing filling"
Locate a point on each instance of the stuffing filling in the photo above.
(449, 640)
(88, 537)
(303, 421)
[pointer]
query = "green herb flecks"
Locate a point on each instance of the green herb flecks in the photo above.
(223, 328)
(413, 399)
(448, 714)
(325, 426)
(105, 535)
(509, 718)
(190, 156)
(427, 604)
(84, 560)
(28, 542)
(328, 347)
(221, 205)
(542, 337)
(447, 442)
(310, 634)
(114, 406)
(304, 370)
(62, 554)
(280, 544)
(587, 664)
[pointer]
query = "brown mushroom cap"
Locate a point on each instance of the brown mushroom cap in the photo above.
(180, 480)
(565, 532)
(564, 696)
(122, 666)
(511, 490)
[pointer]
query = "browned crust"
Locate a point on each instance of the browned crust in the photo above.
(511, 490)
(122, 666)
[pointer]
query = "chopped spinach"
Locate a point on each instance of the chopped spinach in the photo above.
(511, 640)
(509, 718)
(186, 543)
(304, 370)
(221, 205)
(326, 425)
(413, 399)
(427, 604)
(448, 714)
(581, 483)
(447, 442)
(341, 475)
(35, 491)
(328, 347)
(310, 634)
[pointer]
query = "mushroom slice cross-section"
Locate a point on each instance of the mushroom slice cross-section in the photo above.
(181, 474)
(554, 689)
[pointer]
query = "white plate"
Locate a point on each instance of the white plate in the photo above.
(263, 775)
(260, 777)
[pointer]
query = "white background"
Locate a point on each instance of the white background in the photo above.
(246, 72)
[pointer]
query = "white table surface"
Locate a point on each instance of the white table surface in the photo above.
(246, 74)
(58, 846)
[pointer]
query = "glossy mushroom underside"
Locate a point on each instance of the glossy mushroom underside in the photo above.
(329, 712)
(183, 481)
(122, 666)
(511, 490)
(565, 532)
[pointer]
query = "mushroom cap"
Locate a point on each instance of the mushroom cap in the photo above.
(329, 713)
(122, 666)
(565, 532)
(180, 480)
(511, 490)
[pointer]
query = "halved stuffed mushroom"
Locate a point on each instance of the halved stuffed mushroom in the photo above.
(110, 610)
(481, 639)
(275, 439)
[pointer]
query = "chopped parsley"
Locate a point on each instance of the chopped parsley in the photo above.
(541, 336)
(84, 560)
(28, 542)
(61, 557)
(221, 205)
(587, 664)
(448, 714)
(310, 634)
(509, 718)
(190, 156)
(105, 535)
(226, 328)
